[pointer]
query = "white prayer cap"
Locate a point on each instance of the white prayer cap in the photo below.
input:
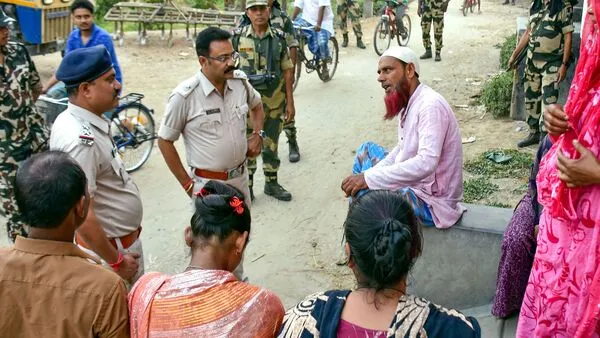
(405, 55)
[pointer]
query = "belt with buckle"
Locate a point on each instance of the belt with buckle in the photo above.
(126, 241)
(220, 175)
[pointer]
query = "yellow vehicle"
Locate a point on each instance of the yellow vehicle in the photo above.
(42, 25)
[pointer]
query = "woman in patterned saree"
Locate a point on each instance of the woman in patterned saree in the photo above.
(563, 294)
(207, 300)
(383, 241)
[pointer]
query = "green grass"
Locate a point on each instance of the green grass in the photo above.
(499, 205)
(518, 167)
(477, 189)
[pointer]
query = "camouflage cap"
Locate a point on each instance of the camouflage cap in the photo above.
(252, 3)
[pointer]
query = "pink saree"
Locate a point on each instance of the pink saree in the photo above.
(563, 293)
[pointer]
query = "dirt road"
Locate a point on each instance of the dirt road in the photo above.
(294, 245)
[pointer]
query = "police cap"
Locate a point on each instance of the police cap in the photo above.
(84, 65)
(252, 3)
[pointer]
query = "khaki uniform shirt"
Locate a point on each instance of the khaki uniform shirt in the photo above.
(53, 289)
(547, 40)
(85, 136)
(213, 126)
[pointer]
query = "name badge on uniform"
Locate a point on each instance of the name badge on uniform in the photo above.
(213, 111)
(246, 50)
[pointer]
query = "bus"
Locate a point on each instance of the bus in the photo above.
(41, 25)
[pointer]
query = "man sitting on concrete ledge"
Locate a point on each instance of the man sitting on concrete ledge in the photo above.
(426, 164)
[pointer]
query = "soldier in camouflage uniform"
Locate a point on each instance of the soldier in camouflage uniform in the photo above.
(345, 9)
(264, 57)
(22, 128)
(548, 41)
(281, 21)
(432, 11)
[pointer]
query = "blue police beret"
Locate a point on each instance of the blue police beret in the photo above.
(84, 65)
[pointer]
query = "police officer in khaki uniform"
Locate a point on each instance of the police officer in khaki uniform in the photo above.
(209, 110)
(112, 228)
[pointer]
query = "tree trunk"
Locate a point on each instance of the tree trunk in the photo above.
(368, 9)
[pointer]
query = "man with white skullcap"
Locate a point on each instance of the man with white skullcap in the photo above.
(426, 164)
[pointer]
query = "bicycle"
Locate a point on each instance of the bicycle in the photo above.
(388, 27)
(470, 4)
(132, 126)
(325, 68)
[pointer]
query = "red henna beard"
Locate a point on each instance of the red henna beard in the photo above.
(397, 99)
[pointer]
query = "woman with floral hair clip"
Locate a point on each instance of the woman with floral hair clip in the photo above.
(207, 300)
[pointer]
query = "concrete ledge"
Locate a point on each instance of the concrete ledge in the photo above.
(459, 265)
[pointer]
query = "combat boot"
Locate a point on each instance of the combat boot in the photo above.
(274, 189)
(427, 55)
(345, 40)
(294, 155)
(438, 56)
(533, 138)
(360, 44)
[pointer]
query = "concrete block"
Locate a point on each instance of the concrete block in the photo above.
(459, 265)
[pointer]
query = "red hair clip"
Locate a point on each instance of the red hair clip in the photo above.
(237, 205)
(202, 193)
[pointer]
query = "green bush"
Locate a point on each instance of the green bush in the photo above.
(496, 94)
(506, 49)
(203, 4)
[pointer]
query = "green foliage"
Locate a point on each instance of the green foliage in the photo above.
(518, 167)
(499, 205)
(204, 4)
(477, 189)
(507, 48)
(497, 93)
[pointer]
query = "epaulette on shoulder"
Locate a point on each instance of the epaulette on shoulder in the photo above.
(186, 87)
(240, 74)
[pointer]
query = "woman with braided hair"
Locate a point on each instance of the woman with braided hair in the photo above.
(207, 300)
(383, 241)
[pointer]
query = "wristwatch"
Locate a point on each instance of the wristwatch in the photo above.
(260, 133)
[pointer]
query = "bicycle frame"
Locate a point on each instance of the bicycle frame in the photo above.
(130, 138)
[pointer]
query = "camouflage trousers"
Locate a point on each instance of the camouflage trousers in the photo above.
(290, 129)
(8, 172)
(437, 17)
(345, 9)
(273, 126)
(540, 88)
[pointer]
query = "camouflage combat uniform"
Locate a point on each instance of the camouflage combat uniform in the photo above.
(544, 59)
(433, 11)
(254, 54)
(22, 128)
(349, 8)
(281, 21)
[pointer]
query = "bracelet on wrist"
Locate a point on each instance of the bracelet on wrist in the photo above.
(116, 265)
(188, 185)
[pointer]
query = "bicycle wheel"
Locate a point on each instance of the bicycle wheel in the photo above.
(132, 130)
(404, 37)
(466, 6)
(328, 66)
(299, 60)
(381, 37)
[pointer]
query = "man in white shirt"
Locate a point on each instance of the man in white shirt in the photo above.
(316, 14)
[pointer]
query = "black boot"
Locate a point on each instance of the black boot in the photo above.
(251, 194)
(427, 55)
(360, 44)
(345, 41)
(294, 155)
(274, 189)
(533, 138)
(438, 56)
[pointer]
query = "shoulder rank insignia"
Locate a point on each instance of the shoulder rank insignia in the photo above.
(86, 137)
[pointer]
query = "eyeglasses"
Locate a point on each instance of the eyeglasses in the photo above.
(235, 56)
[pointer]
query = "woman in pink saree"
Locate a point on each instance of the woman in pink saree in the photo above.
(563, 293)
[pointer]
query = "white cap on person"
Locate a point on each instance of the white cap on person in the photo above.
(405, 55)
